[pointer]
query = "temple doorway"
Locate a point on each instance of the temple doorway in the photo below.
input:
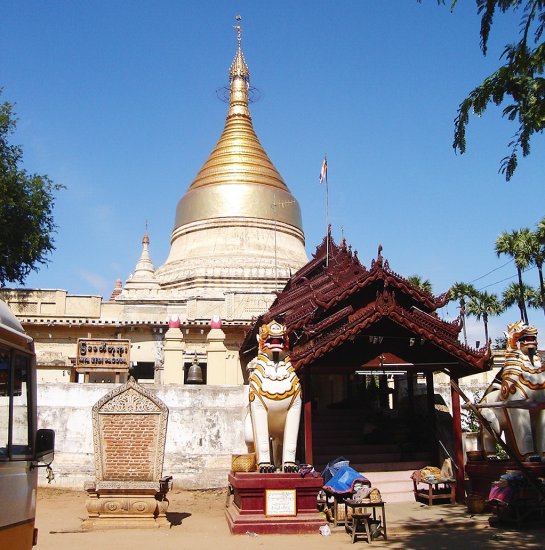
(372, 419)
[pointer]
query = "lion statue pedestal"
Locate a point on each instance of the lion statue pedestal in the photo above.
(277, 499)
(275, 404)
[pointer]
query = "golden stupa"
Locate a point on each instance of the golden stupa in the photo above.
(237, 227)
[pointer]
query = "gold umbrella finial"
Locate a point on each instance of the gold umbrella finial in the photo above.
(239, 69)
(238, 28)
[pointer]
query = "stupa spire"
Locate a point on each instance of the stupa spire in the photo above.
(238, 178)
(144, 272)
(239, 79)
(144, 265)
(228, 216)
(239, 69)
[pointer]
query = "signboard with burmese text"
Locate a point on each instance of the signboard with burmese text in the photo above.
(103, 354)
(280, 502)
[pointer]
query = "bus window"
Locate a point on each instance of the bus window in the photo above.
(4, 401)
(20, 439)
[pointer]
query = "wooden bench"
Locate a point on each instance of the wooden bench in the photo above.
(435, 491)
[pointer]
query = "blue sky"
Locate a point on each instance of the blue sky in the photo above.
(117, 101)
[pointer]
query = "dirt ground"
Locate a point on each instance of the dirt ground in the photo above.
(198, 521)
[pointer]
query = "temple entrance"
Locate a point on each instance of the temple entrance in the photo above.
(365, 343)
(373, 420)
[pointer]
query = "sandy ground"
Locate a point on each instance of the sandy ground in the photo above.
(198, 521)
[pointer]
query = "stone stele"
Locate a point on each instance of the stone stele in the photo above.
(129, 431)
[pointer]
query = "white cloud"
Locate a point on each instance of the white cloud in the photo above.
(97, 282)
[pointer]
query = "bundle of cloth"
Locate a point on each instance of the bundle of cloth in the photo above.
(429, 473)
(503, 490)
(346, 480)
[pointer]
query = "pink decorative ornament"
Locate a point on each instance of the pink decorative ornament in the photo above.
(173, 321)
(215, 322)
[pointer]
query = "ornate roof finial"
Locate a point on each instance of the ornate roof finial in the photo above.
(144, 269)
(145, 239)
(238, 67)
(238, 28)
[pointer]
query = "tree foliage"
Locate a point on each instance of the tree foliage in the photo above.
(482, 305)
(513, 295)
(518, 84)
(26, 209)
(517, 244)
(421, 283)
(460, 291)
(539, 259)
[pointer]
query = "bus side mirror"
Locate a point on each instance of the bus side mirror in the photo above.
(45, 445)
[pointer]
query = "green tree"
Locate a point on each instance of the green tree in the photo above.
(534, 299)
(512, 295)
(500, 342)
(461, 291)
(483, 304)
(517, 244)
(518, 83)
(26, 209)
(540, 258)
(421, 283)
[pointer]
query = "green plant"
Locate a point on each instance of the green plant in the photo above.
(470, 422)
(500, 452)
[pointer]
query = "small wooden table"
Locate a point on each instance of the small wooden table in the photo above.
(338, 500)
(357, 506)
(440, 489)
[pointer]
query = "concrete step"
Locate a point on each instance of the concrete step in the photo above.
(389, 466)
(329, 448)
(402, 476)
(366, 458)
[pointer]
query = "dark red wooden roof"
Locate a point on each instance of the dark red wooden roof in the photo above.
(338, 311)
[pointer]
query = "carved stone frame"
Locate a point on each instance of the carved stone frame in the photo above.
(129, 398)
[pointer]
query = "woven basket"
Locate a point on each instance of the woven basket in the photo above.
(476, 504)
(374, 496)
(243, 463)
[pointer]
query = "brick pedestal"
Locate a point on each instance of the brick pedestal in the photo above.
(246, 511)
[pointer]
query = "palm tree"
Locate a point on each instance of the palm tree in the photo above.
(461, 291)
(517, 244)
(421, 283)
(483, 304)
(539, 258)
(512, 296)
(534, 299)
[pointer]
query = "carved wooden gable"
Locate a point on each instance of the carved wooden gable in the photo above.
(129, 431)
(336, 303)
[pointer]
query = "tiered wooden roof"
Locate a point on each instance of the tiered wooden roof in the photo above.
(342, 315)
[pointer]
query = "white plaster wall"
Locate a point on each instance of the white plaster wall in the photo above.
(205, 427)
(472, 386)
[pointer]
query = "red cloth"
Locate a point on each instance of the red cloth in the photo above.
(501, 494)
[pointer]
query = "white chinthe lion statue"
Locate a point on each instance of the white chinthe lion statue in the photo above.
(521, 379)
(275, 404)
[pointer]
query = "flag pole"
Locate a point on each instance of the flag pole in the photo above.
(327, 221)
(323, 177)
